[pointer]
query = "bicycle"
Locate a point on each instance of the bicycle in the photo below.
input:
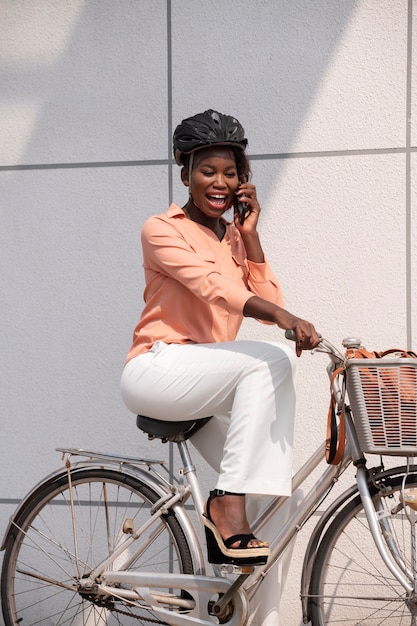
(109, 539)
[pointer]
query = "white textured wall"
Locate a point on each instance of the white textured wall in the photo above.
(90, 92)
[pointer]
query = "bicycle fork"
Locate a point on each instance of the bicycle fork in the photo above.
(378, 521)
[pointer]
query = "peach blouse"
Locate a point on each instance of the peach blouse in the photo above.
(196, 285)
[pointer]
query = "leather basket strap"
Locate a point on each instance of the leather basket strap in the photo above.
(335, 441)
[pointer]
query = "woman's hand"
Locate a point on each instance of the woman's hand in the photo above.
(307, 336)
(247, 193)
(250, 236)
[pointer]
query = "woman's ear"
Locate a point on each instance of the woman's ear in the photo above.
(185, 177)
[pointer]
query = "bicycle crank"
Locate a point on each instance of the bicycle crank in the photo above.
(195, 601)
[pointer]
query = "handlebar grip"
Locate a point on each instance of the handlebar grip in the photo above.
(290, 334)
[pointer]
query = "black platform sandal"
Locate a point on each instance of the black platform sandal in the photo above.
(219, 550)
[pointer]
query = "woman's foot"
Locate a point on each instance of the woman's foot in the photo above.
(228, 536)
(228, 514)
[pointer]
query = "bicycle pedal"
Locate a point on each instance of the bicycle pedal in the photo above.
(226, 569)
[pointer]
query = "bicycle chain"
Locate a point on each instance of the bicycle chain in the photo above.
(144, 619)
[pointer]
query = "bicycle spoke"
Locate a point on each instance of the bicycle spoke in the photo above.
(351, 585)
(61, 538)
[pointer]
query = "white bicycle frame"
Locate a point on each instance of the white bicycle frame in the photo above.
(146, 586)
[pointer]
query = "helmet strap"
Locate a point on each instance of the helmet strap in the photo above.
(190, 167)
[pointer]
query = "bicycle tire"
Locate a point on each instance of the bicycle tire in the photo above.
(42, 562)
(350, 584)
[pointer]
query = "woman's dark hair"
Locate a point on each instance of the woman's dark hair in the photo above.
(242, 164)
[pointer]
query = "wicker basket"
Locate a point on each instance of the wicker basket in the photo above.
(383, 397)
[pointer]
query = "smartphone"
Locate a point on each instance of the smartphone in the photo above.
(241, 208)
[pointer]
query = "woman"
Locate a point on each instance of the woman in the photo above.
(203, 275)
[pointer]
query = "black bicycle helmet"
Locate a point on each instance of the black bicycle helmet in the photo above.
(206, 129)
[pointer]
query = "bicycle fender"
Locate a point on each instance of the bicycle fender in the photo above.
(27, 498)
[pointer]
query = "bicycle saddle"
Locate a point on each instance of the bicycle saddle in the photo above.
(169, 431)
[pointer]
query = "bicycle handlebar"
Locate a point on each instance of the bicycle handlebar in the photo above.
(324, 346)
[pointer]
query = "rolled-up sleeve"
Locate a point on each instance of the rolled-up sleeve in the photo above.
(263, 282)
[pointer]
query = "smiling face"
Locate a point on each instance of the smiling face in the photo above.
(214, 180)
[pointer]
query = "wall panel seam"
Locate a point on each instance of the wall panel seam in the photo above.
(169, 161)
(408, 242)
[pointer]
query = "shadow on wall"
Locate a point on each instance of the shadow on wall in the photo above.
(87, 82)
(260, 61)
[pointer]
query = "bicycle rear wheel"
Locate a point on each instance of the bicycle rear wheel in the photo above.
(64, 531)
(350, 584)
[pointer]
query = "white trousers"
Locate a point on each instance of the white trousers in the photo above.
(248, 387)
(265, 604)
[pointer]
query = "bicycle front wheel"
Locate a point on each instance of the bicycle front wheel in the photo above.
(65, 531)
(350, 584)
